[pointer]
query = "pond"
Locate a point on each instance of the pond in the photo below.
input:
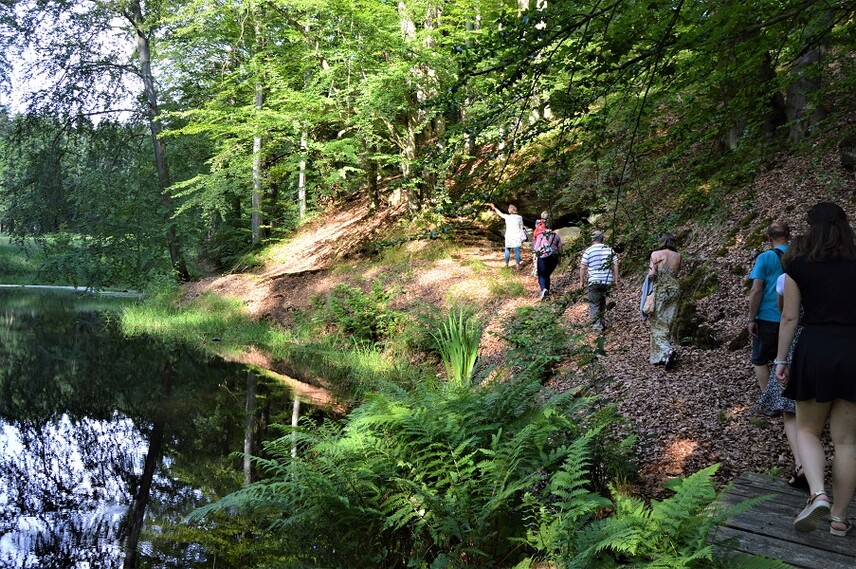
(108, 442)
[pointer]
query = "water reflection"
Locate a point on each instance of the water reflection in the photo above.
(106, 442)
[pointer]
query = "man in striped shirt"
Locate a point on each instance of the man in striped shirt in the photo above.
(598, 271)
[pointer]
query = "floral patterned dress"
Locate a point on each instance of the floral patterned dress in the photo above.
(666, 292)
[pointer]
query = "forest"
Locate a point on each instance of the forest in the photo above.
(149, 144)
(171, 138)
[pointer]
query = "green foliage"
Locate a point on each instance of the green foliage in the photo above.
(445, 476)
(86, 192)
(458, 344)
(505, 285)
(17, 263)
(671, 533)
(537, 339)
(217, 323)
(364, 317)
(349, 374)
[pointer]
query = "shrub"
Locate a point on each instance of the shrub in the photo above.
(672, 533)
(364, 317)
(537, 339)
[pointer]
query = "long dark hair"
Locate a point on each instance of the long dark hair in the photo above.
(830, 237)
(668, 241)
(795, 249)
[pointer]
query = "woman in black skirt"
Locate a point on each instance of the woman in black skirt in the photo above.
(821, 377)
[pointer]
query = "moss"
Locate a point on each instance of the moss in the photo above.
(759, 235)
(747, 220)
(689, 327)
(699, 283)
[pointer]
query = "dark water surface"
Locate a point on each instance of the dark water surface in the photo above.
(107, 442)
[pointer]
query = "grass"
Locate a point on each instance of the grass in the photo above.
(222, 326)
(211, 322)
(17, 265)
(504, 285)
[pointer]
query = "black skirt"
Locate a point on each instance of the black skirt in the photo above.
(824, 364)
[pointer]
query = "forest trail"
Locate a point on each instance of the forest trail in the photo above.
(696, 414)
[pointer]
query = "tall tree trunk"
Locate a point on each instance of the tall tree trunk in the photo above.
(137, 513)
(295, 419)
(301, 175)
(250, 427)
(135, 16)
(256, 215)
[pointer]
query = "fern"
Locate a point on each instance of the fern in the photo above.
(444, 476)
(670, 534)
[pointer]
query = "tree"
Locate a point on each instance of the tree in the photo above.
(88, 67)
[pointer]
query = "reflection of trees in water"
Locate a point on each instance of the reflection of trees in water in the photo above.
(65, 484)
(85, 405)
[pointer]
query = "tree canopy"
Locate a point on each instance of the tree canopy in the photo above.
(260, 111)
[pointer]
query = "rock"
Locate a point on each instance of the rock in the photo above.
(568, 234)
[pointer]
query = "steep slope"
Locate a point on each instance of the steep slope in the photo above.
(687, 418)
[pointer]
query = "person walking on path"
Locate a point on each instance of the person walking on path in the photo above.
(764, 313)
(514, 233)
(548, 249)
(821, 376)
(771, 401)
(663, 270)
(598, 272)
(540, 225)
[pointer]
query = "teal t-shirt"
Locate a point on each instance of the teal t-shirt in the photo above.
(768, 267)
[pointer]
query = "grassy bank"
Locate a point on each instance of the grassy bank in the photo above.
(17, 265)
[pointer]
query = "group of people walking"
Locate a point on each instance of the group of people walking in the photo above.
(546, 245)
(802, 320)
(599, 273)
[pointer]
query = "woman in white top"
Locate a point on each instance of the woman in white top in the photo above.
(513, 233)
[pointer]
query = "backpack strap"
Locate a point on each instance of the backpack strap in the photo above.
(780, 254)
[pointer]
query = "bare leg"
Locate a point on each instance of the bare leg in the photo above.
(811, 418)
(790, 421)
(762, 374)
(842, 429)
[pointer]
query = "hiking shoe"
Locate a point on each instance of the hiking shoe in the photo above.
(815, 509)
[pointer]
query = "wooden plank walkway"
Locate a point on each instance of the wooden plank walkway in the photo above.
(767, 529)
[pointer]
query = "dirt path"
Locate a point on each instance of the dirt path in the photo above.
(694, 415)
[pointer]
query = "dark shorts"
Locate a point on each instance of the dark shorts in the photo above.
(766, 343)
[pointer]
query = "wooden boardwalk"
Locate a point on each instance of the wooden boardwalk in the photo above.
(767, 529)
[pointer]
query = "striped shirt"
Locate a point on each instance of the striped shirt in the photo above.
(599, 258)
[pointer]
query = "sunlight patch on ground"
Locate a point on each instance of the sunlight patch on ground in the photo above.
(676, 455)
(578, 313)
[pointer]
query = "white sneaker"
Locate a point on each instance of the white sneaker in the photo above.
(543, 293)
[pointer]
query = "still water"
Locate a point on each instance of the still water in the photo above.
(107, 442)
